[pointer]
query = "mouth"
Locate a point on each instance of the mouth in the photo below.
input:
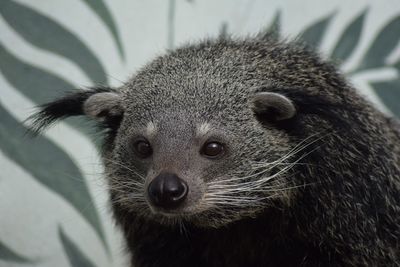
(172, 218)
(178, 212)
(172, 214)
(184, 212)
(164, 212)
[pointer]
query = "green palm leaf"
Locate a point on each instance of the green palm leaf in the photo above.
(38, 85)
(349, 39)
(314, 33)
(75, 256)
(389, 93)
(223, 30)
(397, 66)
(383, 44)
(104, 14)
(50, 166)
(35, 83)
(6, 254)
(274, 28)
(47, 34)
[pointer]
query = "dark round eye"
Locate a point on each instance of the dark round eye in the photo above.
(142, 148)
(212, 149)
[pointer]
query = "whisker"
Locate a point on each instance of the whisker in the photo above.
(275, 163)
(126, 167)
(249, 192)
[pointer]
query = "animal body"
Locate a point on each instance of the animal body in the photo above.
(249, 152)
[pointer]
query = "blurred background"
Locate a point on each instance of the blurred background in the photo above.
(53, 199)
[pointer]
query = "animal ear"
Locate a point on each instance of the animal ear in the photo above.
(101, 104)
(273, 107)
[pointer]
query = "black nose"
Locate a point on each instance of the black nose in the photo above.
(167, 191)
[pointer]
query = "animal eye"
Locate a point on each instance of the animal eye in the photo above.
(142, 148)
(212, 149)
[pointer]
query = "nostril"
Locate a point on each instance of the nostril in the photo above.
(175, 188)
(178, 194)
(167, 191)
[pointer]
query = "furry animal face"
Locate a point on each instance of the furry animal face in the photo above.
(197, 135)
(215, 159)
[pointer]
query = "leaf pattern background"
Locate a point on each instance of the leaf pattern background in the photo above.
(361, 38)
(9, 255)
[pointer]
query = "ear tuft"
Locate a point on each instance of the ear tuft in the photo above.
(273, 107)
(74, 104)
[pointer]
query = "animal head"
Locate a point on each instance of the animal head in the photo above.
(201, 134)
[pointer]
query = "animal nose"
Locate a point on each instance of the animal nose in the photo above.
(167, 191)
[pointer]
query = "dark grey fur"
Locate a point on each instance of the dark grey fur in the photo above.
(334, 200)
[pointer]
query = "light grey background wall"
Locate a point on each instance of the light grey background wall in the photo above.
(53, 201)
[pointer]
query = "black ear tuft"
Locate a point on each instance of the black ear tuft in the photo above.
(70, 105)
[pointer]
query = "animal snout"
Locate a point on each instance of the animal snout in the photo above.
(167, 191)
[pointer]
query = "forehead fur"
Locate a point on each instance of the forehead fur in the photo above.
(151, 128)
(214, 79)
(203, 128)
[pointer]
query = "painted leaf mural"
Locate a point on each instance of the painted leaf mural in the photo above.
(49, 35)
(74, 255)
(314, 33)
(389, 92)
(104, 14)
(7, 254)
(34, 82)
(349, 39)
(50, 165)
(274, 28)
(384, 43)
(39, 85)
